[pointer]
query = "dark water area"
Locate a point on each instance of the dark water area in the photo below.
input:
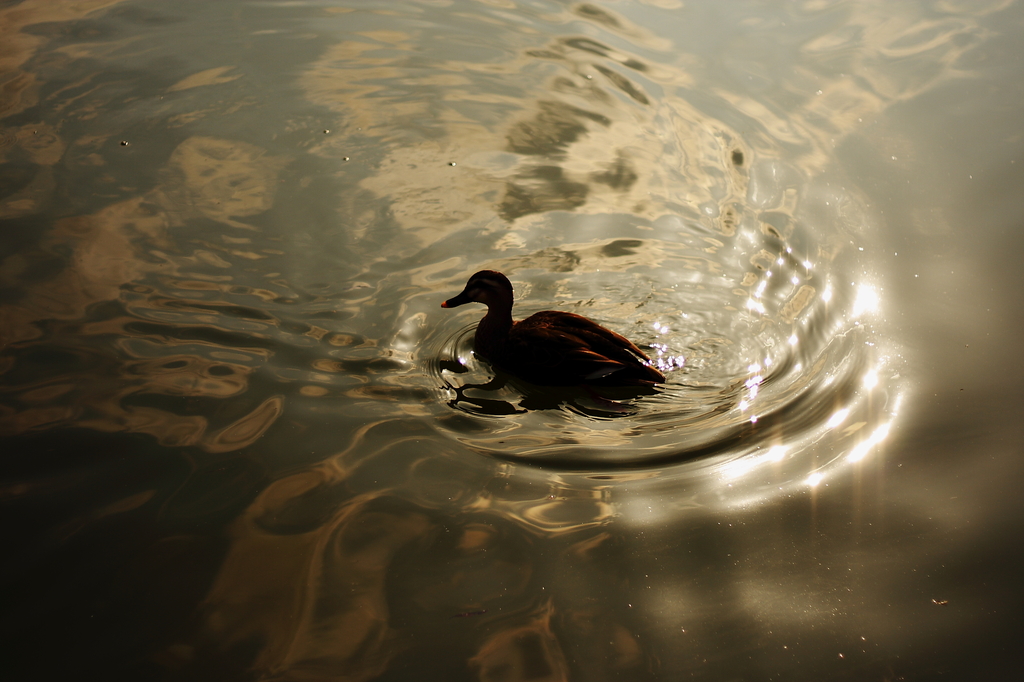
(240, 439)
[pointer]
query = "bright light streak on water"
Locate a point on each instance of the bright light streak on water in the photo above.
(877, 436)
(837, 418)
(867, 301)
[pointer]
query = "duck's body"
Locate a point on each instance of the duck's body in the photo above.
(551, 348)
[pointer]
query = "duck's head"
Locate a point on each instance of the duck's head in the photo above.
(489, 287)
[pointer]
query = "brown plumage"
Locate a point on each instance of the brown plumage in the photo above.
(551, 348)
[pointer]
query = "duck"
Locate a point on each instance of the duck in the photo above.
(552, 347)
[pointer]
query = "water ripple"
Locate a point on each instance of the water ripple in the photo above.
(700, 221)
(763, 350)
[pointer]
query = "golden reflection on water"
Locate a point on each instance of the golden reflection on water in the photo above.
(18, 88)
(214, 76)
(217, 179)
(360, 571)
(223, 180)
(560, 156)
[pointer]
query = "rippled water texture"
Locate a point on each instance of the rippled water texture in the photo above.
(242, 440)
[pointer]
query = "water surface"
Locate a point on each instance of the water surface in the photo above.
(242, 440)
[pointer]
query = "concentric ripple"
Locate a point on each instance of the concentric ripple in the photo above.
(764, 339)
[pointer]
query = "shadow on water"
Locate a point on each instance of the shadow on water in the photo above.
(242, 441)
(596, 403)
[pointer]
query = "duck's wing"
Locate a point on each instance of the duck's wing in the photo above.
(572, 349)
(598, 338)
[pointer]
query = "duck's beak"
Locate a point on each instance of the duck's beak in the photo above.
(457, 301)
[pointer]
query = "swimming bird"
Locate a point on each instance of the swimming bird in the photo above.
(551, 348)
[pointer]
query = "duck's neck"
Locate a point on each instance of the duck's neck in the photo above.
(492, 332)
